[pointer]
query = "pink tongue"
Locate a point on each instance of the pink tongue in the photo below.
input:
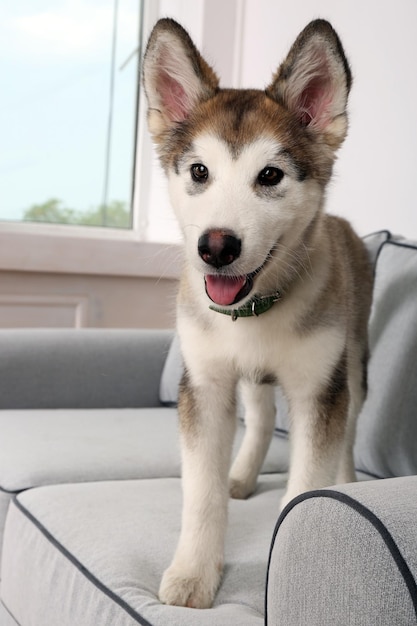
(222, 289)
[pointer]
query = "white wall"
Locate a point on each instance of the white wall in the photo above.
(375, 178)
(376, 173)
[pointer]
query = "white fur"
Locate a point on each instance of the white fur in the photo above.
(193, 577)
(259, 403)
(230, 203)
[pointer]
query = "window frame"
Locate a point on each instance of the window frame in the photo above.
(56, 248)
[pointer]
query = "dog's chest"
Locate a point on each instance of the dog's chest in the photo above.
(266, 349)
(249, 345)
(258, 347)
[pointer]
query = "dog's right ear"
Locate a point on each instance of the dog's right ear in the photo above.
(175, 77)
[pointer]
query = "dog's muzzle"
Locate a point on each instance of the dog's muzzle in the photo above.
(219, 248)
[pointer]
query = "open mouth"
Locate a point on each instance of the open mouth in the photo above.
(226, 290)
(229, 290)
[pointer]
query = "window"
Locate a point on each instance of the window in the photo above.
(69, 110)
(68, 64)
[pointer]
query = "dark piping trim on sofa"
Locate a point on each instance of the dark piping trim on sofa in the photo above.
(370, 517)
(80, 567)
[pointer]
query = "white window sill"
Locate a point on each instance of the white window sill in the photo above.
(85, 250)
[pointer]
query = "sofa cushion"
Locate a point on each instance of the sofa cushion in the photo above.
(102, 548)
(52, 446)
(72, 445)
(43, 447)
(387, 427)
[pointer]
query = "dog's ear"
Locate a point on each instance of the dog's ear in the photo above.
(175, 77)
(314, 82)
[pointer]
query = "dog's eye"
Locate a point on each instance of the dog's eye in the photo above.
(270, 176)
(199, 173)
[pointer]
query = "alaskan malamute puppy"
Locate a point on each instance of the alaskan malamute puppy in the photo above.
(273, 291)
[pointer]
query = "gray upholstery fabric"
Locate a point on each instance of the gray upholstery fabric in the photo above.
(5, 618)
(72, 445)
(394, 502)
(52, 446)
(387, 428)
(335, 562)
(373, 243)
(43, 447)
(171, 374)
(49, 446)
(81, 368)
(93, 575)
(4, 506)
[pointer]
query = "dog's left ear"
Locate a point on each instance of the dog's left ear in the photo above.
(314, 82)
(175, 76)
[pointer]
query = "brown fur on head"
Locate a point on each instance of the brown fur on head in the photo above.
(305, 104)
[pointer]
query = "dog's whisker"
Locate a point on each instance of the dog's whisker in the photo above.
(298, 263)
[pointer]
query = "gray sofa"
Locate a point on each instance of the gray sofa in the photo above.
(90, 493)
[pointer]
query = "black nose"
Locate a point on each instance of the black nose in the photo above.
(219, 247)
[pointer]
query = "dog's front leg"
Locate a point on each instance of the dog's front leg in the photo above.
(319, 428)
(259, 403)
(207, 423)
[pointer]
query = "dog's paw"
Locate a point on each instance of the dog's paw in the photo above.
(180, 587)
(241, 489)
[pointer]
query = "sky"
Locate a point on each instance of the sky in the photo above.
(55, 58)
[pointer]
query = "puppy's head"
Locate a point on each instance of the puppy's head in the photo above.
(246, 168)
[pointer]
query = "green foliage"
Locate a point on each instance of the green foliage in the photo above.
(113, 215)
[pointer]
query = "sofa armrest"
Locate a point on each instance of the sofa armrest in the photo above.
(81, 368)
(346, 555)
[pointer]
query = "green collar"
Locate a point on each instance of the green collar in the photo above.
(254, 307)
